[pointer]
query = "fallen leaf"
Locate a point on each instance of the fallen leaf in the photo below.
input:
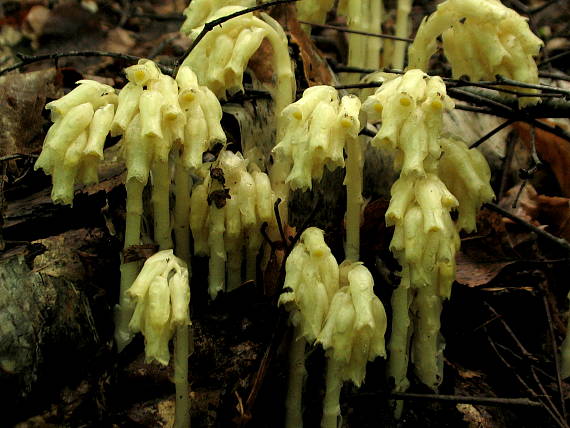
(477, 417)
(315, 68)
(34, 23)
(477, 272)
(525, 207)
(554, 211)
(541, 210)
(119, 40)
(552, 150)
(21, 119)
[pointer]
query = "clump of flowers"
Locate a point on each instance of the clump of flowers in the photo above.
(426, 238)
(481, 39)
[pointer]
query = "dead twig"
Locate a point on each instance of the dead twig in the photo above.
(511, 142)
(487, 401)
(363, 33)
(531, 392)
(29, 59)
(510, 332)
(491, 133)
(560, 242)
(550, 324)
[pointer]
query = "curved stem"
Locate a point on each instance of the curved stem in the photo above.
(331, 407)
(353, 181)
(129, 271)
(181, 353)
(399, 343)
(160, 202)
(182, 185)
(297, 372)
(402, 30)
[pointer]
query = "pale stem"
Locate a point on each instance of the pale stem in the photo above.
(374, 44)
(353, 182)
(399, 343)
(181, 353)
(182, 185)
(217, 264)
(357, 12)
(254, 243)
(402, 30)
(129, 271)
(234, 267)
(281, 62)
(331, 406)
(297, 373)
(427, 352)
(160, 202)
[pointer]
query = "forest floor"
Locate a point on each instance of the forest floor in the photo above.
(503, 325)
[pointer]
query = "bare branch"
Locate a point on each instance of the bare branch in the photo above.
(364, 33)
(29, 59)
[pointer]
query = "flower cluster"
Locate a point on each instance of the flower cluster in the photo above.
(312, 279)
(74, 144)
(221, 58)
(316, 129)
(353, 333)
(481, 38)
(426, 238)
(226, 213)
(162, 296)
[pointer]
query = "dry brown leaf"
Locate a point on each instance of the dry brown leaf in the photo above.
(554, 211)
(526, 206)
(552, 150)
(476, 272)
(119, 40)
(21, 119)
(541, 210)
(315, 69)
(35, 21)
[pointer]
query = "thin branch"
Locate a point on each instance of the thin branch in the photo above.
(363, 33)
(510, 332)
(554, 58)
(209, 26)
(508, 109)
(489, 401)
(519, 193)
(474, 109)
(539, 8)
(467, 399)
(29, 59)
(560, 242)
(554, 351)
(494, 86)
(477, 98)
(521, 380)
(17, 156)
(359, 85)
(511, 141)
(554, 76)
(501, 80)
(279, 220)
(548, 399)
(367, 132)
(553, 129)
(491, 133)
